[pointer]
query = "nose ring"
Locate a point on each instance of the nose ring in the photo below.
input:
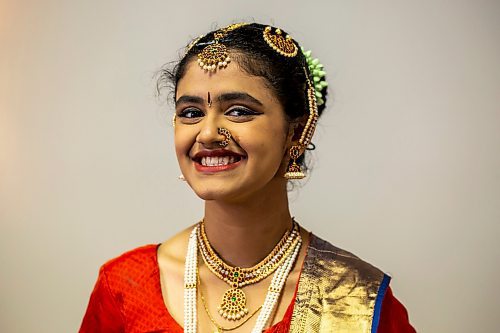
(227, 136)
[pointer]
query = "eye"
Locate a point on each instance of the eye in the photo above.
(241, 112)
(190, 113)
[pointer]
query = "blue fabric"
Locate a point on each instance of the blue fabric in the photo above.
(378, 302)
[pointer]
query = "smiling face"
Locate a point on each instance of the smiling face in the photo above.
(255, 158)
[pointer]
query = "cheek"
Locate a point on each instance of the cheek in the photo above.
(183, 142)
(264, 146)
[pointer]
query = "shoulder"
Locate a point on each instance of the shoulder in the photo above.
(325, 255)
(140, 255)
(133, 265)
(333, 265)
(125, 284)
(346, 291)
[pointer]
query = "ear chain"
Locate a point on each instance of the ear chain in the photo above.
(286, 47)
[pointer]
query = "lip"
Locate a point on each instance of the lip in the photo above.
(216, 153)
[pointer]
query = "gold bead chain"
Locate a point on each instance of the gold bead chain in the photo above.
(238, 276)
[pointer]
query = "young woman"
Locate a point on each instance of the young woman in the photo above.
(247, 100)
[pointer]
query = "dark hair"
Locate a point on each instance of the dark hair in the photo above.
(284, 75)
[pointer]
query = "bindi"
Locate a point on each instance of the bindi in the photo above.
(209, 100)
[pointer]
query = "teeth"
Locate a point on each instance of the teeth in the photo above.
(217, 161)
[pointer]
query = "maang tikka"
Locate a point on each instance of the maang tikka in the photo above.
(215, 55)
(285, 46)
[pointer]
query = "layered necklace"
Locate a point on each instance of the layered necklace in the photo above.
(233, 304)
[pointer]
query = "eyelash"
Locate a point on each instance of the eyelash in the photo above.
(242, 112)
(184, 113)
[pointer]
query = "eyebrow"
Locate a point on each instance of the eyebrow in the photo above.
(226, 97)
(186, 99)
(241, 96)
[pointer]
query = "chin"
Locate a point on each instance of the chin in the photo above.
(221, 192)
(211, 192)
(222, 195)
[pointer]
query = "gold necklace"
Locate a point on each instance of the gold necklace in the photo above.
(220, 328)
(233, 304)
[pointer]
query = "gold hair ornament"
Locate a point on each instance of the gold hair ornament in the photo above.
(193, 43)
(216, 55)
(283, 45)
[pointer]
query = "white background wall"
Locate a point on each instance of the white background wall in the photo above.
(407, 171)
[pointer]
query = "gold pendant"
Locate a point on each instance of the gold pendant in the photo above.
(233, 305)
(213, 56)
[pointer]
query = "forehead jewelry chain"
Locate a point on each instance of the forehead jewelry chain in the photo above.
(233, 303)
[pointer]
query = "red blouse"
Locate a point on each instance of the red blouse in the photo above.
(127, 298)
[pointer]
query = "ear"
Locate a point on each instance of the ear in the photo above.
(295, 130)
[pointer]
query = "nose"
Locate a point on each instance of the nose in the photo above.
(209, 135)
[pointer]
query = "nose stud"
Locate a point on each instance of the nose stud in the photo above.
(227, 136)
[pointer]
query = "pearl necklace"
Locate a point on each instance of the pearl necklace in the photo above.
(190, 285)
(190, 273)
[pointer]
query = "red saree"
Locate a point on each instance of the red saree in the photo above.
(127, 299)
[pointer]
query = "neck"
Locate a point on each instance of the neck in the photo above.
(244, 233)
